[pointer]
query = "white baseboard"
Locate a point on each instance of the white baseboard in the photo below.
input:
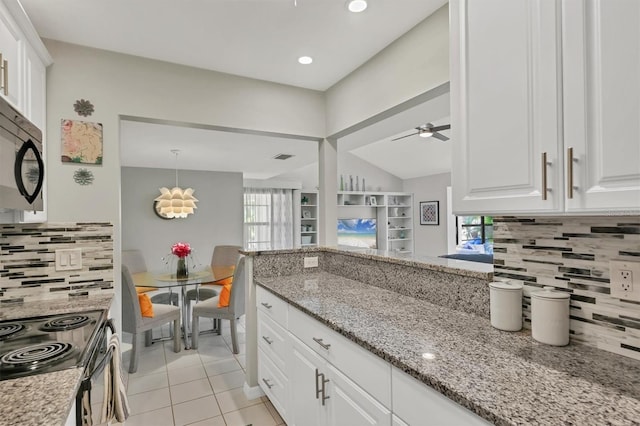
(252, 392)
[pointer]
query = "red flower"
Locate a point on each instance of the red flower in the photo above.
(181, 249)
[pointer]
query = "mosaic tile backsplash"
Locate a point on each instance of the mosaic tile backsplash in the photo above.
(573, 254)
(27, 261)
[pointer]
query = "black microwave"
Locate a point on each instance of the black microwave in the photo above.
(21, 164)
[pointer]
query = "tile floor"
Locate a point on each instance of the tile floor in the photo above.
(193, 387)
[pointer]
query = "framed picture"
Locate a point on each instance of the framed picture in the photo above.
(81, 142)
(429, 213)
(306, 214)
(373, 201)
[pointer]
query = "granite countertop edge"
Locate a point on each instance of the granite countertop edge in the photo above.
(451, 266)
(471, 397)
(44, 398)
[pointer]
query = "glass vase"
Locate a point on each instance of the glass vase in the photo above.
(181, 268)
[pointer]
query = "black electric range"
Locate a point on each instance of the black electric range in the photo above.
(48, 343)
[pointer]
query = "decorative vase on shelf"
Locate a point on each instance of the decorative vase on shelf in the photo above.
(181, 270)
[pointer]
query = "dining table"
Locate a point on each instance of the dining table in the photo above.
(169, 281)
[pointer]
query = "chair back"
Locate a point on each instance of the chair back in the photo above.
(225, 255)
(236, 299)
(131, 314)
(134, 261)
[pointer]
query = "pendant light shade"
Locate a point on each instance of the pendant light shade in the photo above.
(175, 202)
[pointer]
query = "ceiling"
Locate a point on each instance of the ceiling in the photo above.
(260, 39)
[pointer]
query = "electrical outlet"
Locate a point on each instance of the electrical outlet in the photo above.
(622, 273)
(311, 262)
(68, 259)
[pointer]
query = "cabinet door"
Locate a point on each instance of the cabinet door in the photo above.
(601, 67)
(505, 98)
(350, 405)
(10, 47)
(306, 408)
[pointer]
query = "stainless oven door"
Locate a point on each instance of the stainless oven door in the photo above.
(91, 393)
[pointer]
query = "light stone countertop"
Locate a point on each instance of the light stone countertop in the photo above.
(44, 399)
(507, 378)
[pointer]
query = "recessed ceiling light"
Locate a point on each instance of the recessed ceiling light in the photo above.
(305, 60)
(356, 6)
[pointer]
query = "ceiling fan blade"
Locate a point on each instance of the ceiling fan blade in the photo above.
(405, 136)
(439, 136)
(440, 128)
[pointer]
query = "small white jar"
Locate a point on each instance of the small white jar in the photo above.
(506, 305)
(550, 316)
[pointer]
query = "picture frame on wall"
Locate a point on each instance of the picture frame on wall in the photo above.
(429, 213)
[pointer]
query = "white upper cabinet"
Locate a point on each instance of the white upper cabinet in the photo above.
(601, 65)
(531, 82)
(11, 48)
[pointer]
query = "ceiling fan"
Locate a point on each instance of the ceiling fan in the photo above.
(428, 130)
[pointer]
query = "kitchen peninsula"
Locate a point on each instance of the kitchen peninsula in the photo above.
(428, 319)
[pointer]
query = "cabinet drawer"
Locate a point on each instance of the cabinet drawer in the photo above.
(272, 305)
(365, 369)
(273, 340)
(273, 383)
(413, 402)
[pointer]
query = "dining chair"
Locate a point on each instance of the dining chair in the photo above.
(133, 322)
(223, 255)
(136, 264)
(209, 308)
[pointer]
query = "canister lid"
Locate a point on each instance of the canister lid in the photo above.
(505, 285)
(549, 292)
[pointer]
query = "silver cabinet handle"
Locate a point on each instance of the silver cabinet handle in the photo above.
(324, 382)
(5, 75)
(266, 339)
(318, 390)
(266, 382)
(570, 173)
(544, 176)
(321, 343)
(266, 305)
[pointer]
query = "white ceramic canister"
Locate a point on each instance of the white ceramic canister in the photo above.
(506, 305)
(550, 316)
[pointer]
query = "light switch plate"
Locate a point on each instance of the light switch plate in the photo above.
(624, 277)
(68, 259)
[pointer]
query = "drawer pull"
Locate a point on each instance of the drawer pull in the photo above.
(321, 343)
(266, 382)
(266, 305)
(570, 173)
(545, 163)
(266, 339)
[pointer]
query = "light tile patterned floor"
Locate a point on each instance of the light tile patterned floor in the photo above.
(202, 387)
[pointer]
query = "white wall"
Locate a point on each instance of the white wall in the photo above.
(413, 64)
(348, 164)
(217, 220)
(430, 240)
(119, 84)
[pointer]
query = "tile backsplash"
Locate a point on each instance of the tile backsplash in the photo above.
(27, 261)
(572, 254)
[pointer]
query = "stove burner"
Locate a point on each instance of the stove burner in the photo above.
(36, 355)
(9, 329)
(65, 323)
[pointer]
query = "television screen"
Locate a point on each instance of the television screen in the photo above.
(357, 233)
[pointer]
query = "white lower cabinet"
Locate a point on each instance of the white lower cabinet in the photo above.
(322, 395)
(417, 404)
(314, 377)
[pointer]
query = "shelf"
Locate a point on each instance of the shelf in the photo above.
(308, 218)
(308, 205)
(308, 245)
(400, 239)
(398, 205)
(399, 217)
(308, 232)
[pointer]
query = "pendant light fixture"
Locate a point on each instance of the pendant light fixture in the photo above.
(176, 202)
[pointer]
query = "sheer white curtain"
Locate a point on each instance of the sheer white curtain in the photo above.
(268, 218)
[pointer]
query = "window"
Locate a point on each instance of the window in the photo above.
(474, 233)
(268, 218)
